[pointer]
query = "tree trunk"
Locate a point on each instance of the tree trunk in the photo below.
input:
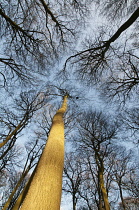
(103, 190)
(121, 196)
(74, 202)
(17, 129)
(126, 25)
(6, 205)
(100, 201)
(9, 136)
(20, 198)
(46, 186)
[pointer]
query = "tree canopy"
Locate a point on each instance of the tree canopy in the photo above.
(86, 51)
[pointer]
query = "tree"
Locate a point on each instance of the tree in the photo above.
(72, 177)
(119, 172)
(31, 39)
(114, 64)
(131, 203)
(95, 135)
(46, 181)
(9, 168)
(12, 159)
(131, 182)
(33, 150)
(120, 176)
(90, 191)
(115, 10)
(35, 35)
(15, 120)
(96, 53)
(133, 186)
(14, 186)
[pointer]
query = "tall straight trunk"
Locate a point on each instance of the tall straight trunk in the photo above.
(100, 201)
(121, 196)
(103, 190)
(100, 164)
(74, 202)
(100, 207)
(46, 185)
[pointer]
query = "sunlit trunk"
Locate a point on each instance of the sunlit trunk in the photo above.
(103, 190)
(46, 185)
(100, 201)
(100, 164)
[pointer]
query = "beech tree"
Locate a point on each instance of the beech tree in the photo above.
(95, 136)
(97, 133)
(82, 178)
(12, 181)
(72, 177)
(114, 64)
(33, 150)
(120, 171)
(14, 121)
(9, 168)
(36, 37)
(94, 56)
(36, 32)
(45, 183)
